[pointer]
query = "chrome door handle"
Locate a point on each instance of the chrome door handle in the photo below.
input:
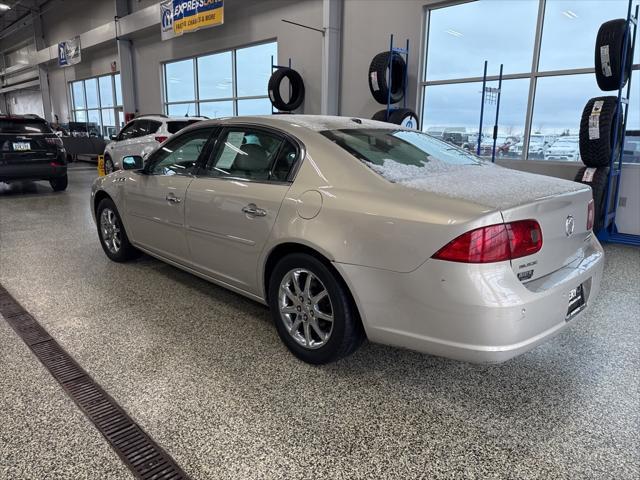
(172, 198)
(254, 211)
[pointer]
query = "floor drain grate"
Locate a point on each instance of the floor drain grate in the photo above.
(145, 459)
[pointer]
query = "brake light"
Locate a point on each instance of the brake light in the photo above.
(55, 141)
(494, 243)
(591, 215)
(161, 139)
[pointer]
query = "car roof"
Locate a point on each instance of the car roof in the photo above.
(166, 118)
(316, 123)
(27, 116)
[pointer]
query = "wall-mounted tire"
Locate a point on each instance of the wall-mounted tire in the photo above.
(608, 55)
(380, 116)
(400, 116)
(596, 178)
(597, 131)
(404, 117)
(297, 89)
(378, 77)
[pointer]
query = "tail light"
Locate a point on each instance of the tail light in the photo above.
(55, 141)
(591, 215)
(160, 139)
(494, 243)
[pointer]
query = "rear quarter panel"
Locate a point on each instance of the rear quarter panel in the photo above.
(366, 220)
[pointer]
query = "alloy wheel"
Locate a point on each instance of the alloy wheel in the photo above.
(110, 230)
(305, 308)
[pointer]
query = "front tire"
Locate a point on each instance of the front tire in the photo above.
(112, 234)
(59, 184)
(313, 311)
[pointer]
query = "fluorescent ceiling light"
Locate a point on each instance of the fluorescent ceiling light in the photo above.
(570, 14)
(454, 33)
(4, 7)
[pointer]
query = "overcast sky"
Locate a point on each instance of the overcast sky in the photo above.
(463, 36)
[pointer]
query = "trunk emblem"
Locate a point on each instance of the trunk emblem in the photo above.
(569, 225)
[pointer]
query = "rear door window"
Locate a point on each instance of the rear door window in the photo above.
(20, 126)
(152, 126)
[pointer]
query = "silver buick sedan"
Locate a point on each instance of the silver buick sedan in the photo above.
(351, 229)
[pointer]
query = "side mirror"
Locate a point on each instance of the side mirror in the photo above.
(132, 162)
(113, 137)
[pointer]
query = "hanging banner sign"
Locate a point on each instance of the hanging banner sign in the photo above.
(166, 20)
(69, 52)
(184, 16)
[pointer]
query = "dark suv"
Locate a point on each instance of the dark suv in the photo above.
(29, 150)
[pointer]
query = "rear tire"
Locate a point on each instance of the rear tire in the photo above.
(308, 335)
(59, 184)
(113, 237)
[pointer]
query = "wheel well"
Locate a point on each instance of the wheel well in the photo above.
(285, 249)
(100, 195)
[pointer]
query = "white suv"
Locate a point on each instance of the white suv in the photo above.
(141, 136)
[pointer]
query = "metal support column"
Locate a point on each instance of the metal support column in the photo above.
(38, 38)
(331, 56)
(125, 62)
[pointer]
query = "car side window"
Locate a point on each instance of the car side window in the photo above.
(180, 156)
(142, 128)
(244, 153)
(284, 163)
(128, 131)
(152, 127)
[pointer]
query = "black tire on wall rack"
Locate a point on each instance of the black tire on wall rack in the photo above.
(380, 116)
(378, 83)
(297, 89)
(597, 130)
(596, 178)
(608, 55)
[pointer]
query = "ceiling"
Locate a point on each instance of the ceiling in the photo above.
(19, 9)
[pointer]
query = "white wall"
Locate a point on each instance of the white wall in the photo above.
(367, 26)
(246, 22)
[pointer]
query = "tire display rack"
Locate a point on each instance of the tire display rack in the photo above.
(609, 232)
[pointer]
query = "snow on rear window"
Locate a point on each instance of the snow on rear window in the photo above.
(400, 155)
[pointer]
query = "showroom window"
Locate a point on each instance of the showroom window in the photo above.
(222, 84)
(96, 104)
(546, 47)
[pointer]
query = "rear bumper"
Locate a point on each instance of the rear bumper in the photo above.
(31, 171)
(476, 313)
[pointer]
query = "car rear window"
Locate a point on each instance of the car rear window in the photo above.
(23, 126)
(175, 127)
(400, 155)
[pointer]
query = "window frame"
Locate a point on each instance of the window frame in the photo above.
(234, 80)
(115, 108)
(532, 75)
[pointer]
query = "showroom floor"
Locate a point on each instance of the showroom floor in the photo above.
(203, 372)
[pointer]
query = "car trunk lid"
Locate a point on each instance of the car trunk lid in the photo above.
(563, 221)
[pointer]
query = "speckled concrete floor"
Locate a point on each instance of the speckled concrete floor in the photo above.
(203, 371)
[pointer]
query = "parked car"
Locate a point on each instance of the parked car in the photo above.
(30, 150)
(631, 153)
(564, 148)
(349, 228)
(538, 145)
(141, 136)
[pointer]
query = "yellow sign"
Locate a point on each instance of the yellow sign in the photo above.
(191, 15)
(101, 172)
